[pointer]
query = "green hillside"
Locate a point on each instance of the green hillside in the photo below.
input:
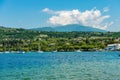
(14, 39)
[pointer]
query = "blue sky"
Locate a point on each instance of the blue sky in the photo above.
(31, 13)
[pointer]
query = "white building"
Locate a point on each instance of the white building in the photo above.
(113, 47)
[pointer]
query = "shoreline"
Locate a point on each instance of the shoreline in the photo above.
(16, 52)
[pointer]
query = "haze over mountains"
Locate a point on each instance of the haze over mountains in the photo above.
(69, 28)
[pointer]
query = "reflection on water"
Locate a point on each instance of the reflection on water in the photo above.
(60, 66)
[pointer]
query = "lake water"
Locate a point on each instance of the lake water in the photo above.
(60, 66)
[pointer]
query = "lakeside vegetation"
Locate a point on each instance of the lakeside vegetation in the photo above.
(13, 39)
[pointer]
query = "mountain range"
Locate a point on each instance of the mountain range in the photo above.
(69, 28)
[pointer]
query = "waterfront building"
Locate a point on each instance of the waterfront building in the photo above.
(113, 47)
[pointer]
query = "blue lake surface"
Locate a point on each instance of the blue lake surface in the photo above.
(60, 66)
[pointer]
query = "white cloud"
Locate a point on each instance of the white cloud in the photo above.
(47, 10)
(93, 18)
(105, 9)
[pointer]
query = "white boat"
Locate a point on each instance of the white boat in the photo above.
(40, 51)
(21, 52)
(54, 51)
(6, 52)
(78, 50)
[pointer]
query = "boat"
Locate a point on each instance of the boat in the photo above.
(21, 52)
(6, 52)
(40, 51)
(54, 51)
(78, 51)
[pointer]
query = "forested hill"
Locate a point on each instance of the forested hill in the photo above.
(31, 34)
(17, 33)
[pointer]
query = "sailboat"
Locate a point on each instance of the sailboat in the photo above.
(39, 48)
